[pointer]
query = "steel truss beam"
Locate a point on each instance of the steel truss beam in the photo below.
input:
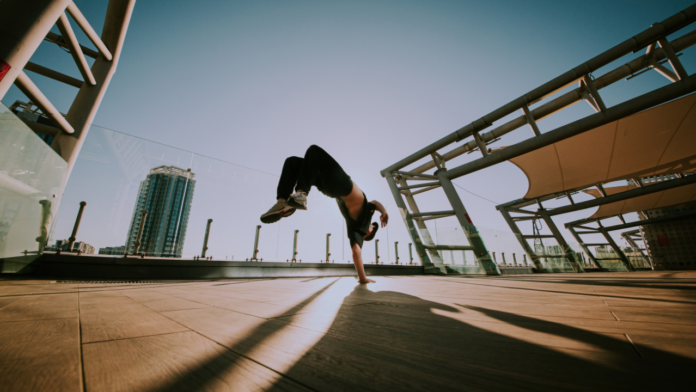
(629, 236)
(642, 40)
(514, 206)
(588, 89)
(25, 24)
(605, 231)
(477, 245)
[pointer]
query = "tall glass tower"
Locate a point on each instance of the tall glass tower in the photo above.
(166, 194)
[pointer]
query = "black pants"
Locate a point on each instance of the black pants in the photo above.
(317, 168)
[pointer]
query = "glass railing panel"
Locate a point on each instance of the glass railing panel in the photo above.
(108, 175)
(111, 173)
(32, 176)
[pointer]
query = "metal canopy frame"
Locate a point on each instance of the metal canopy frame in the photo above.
(512, 213)
(24, 25)
(659, 51)
(604, 230)
(632, 236)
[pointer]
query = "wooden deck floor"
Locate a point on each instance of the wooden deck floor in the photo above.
(599, 331)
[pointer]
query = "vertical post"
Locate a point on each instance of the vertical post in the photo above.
(410, 253)
(514, 259)
(256, 244)
(524, 259)
(77, 226)
(376, 251)
(480, 250)
(584, 247)
(42, 239)
(568, 253)
(617, 250)
(520, 238)
(328, 255)
(294, 247)
(205, 240)
(396, 251)
(140, 232)
(430, 266)
(503, 254)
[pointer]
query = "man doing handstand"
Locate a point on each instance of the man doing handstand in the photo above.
(319, 169)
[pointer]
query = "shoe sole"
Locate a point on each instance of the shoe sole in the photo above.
(271, 218)
(292, 203)
(274, 217)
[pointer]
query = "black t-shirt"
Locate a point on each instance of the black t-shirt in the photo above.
(357, 228)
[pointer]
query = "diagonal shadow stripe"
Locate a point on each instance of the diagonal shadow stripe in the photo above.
(199, 377)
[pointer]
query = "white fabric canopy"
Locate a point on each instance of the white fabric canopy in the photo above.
(669, 198)
(661, 140)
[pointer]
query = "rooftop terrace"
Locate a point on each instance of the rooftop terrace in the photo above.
(599, 331)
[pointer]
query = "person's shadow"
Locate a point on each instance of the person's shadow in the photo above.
(398, 341)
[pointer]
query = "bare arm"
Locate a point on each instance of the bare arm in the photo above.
(357, 260)
(385, 217)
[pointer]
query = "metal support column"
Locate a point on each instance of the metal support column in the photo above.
(77, 226)
(328, 254)
(396, 251)
(376, 251)
(205, 240)
(86, 104)
(422, 227)
(619, 253)
(412, 231)
(470, 231)
(525, 245)
(584, 247)
(256, 244)
(410, 253)
(42, 239)
(567, 251)
(294, 247)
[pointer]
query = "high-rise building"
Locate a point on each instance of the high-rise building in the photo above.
(166, 194)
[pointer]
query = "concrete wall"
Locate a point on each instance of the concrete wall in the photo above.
(89, 266)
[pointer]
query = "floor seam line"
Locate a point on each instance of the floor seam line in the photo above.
(82, 356)
(138, 337)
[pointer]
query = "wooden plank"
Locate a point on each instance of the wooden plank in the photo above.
(168, 304)
(41, 307)
(40, 355)
(657, 316)
(182, 361)
(357, 364)
(107, 320)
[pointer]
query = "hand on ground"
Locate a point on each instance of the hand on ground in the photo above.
(366, 281)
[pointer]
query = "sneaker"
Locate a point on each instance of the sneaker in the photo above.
(298, 200)
(279, 210)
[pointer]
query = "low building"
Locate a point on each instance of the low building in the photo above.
(113, 250)
(63, 245)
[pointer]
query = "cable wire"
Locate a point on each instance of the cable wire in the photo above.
(480, 197)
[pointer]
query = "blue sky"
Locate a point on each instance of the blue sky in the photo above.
(370, 81)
